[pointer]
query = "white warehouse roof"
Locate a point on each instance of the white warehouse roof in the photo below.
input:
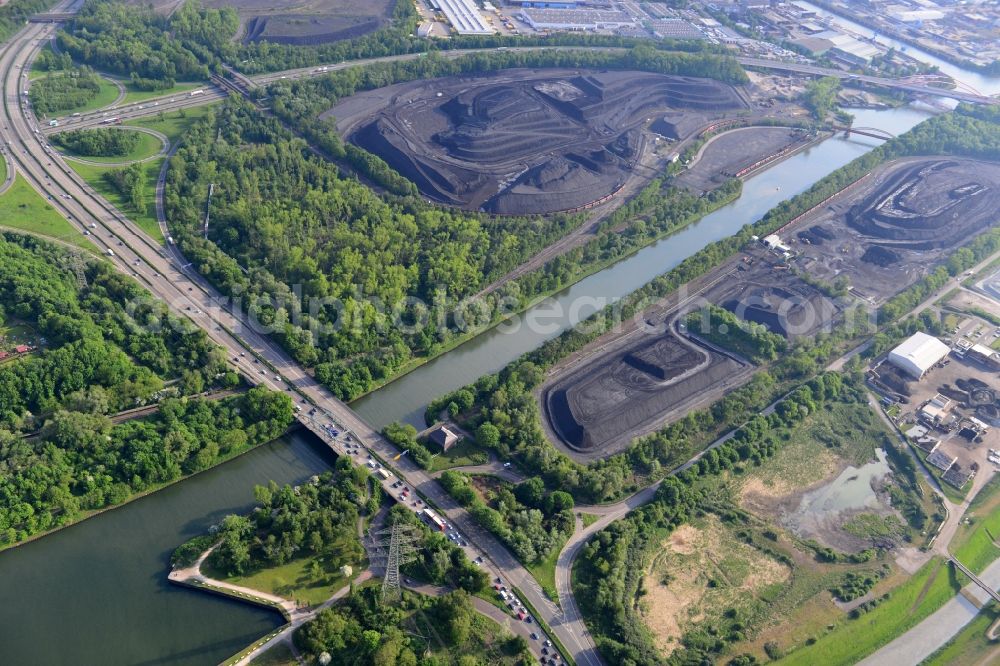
(918, 354)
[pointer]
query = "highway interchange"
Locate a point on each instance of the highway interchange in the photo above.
(165, 273)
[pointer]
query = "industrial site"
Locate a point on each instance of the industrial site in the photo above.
(864, 245)
(531, 141)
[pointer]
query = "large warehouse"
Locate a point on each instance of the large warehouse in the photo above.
(918, 354)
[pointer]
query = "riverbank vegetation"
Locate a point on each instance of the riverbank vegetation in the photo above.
(506, 399)
(61, 454)
(296, 541)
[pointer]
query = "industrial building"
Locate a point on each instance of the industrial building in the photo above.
(985, 355)
(839, 46)
(918, 354)
(675, 28)
(576, 19)
(464, 17)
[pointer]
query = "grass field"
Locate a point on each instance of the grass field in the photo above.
(23, 208)
(146, 218)
(294, 580)
(970, 647)
(908, 604)
(466, 452)
(974, 542)
(106, 95)
(589, 519)
(545, 571)
(279, 655)
(148, 146)
(173, 125)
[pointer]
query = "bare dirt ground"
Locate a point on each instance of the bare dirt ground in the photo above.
(678, 593)
(723, 156)
(303, 22)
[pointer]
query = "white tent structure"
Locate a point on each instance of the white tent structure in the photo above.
(918, 354)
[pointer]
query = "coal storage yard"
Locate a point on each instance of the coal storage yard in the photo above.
(526, 141)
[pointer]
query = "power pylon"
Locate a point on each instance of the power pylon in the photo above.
(393, 547)
(75, 263)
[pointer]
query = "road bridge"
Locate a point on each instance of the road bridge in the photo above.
(896, 84)
(872, 132)
(166, 274)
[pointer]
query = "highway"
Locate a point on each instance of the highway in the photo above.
(166, 274)
(212, 93)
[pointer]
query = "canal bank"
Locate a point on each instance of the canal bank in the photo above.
(97, 592)
(101, 585)
(405, 399)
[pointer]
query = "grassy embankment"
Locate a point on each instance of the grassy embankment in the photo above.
(23, 208)
(173, 125)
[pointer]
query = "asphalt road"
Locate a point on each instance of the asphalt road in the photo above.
(261, 362)
(167, 276)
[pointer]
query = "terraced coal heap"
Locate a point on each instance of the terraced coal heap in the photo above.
(793, 309)
(600, 407)
(926, 205)
(526, 142)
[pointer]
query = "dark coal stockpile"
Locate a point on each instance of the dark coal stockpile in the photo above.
(527, 142)
(926, 205)
(600, 407)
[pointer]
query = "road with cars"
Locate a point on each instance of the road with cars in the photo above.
(165, 273)
(168, 276)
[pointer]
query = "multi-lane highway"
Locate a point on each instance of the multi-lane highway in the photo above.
(166, 274)
(163, 271)
(212, 93)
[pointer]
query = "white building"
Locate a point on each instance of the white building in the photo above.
(918, 354)
(464, 17)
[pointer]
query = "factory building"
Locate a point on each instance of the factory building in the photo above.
(576, 19)
(464, 17)
(918, 354)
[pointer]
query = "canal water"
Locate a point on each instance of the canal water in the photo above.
(988, 85)
(96, 593)
(405, 398)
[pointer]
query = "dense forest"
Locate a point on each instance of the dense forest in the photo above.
(532, 521)
(130, 183)
(63, 90)
(506, 400)
(154, 50)
(339, 273)
(100, 142)
(103, 348)
(318, 519)
(13, 14)
(80, 462)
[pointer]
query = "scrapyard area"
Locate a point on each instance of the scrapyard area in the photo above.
(530, 141)
(865, 244)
